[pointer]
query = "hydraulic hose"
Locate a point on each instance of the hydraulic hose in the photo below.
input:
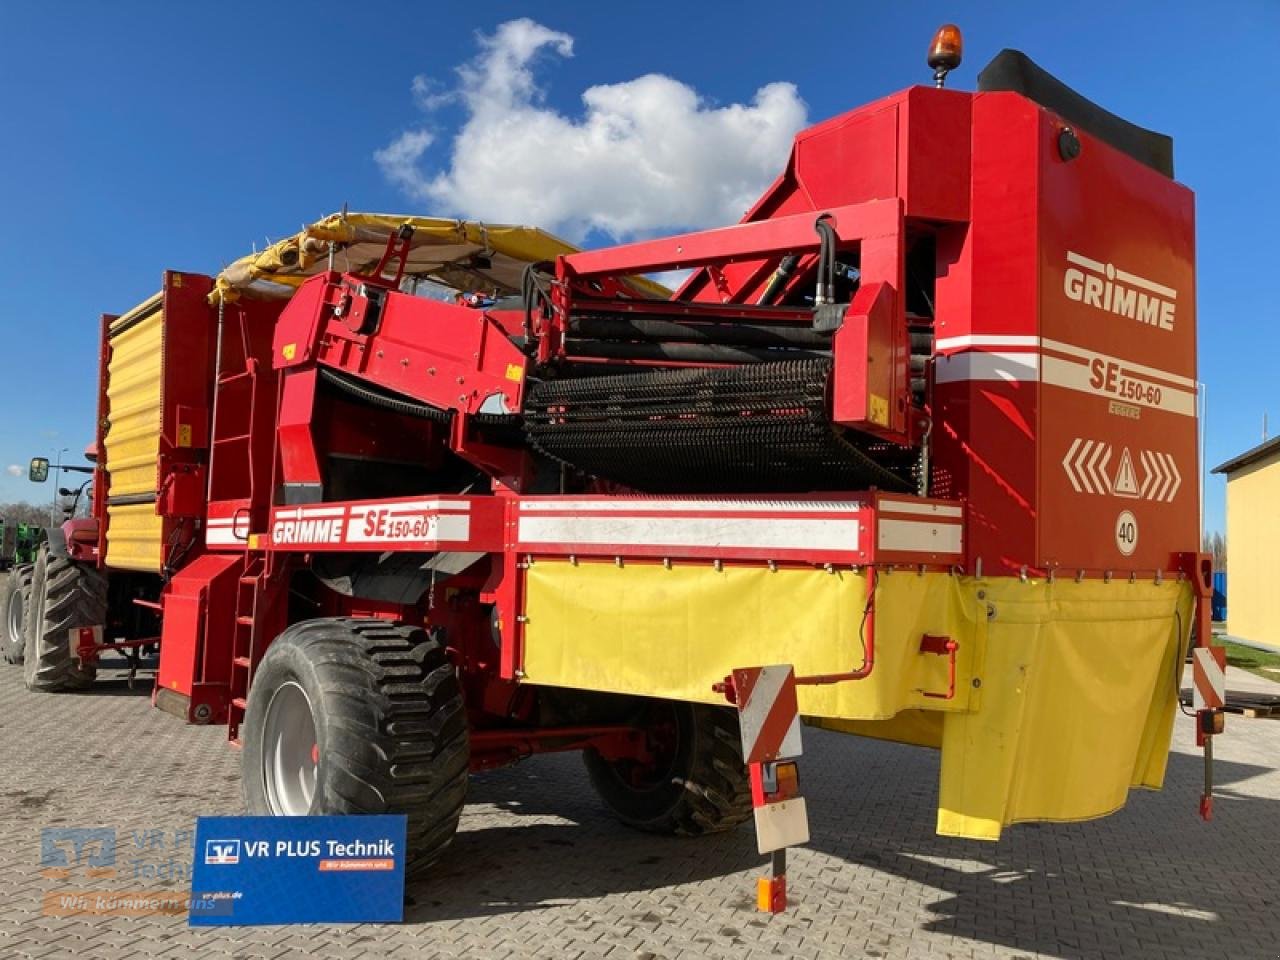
(380, 398)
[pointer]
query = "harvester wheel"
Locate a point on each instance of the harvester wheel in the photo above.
(698, 782)
(64, 595)
(359, 716)
(15, 594)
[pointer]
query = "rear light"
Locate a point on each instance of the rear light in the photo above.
(1212, 721)
(781, 780)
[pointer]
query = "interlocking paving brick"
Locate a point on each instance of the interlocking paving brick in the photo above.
(539, 869)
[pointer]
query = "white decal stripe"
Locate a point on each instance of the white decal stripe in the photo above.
(1148, 474)
(307, 513)
(1009, 367)
(919, 537)
(443, 526)
(1072, 350)
(929, 509)
(223, 536)
(1082, 261)
(760, 704)
(986, 340)
(1134, 280)
(1098, 468)
(1177, 478)
(1066, 464)
(1212, 672)
(302, 512)
(719, 532)
(1082, 467)
(1076, 376)
(1207, 677)
(691, 506)
(419, 505)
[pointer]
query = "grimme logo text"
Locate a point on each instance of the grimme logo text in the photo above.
(1110, 289)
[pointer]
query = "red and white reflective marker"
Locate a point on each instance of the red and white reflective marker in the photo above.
(1208, 696)
(1209, 677)
(769, 712)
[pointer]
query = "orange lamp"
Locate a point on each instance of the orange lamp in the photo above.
(945, 52)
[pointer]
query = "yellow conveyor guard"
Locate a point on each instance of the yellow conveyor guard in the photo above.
(134, 382)
(1065, 691)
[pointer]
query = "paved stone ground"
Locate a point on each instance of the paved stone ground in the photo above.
(540, 870)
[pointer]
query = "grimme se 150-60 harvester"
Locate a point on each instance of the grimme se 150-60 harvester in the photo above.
(922, 425)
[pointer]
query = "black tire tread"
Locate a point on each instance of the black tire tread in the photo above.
(724, 798)
(397, 726)
(64, 595)
(18, 582)
(716, 794)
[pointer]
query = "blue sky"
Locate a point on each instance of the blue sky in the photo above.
(140, 136)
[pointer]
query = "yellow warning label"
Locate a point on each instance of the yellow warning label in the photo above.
(184, 434)
(254, 538)
(289, 351)
(878, 409)
(514, 372)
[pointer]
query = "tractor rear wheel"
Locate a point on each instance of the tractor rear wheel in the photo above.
(697, 782)
(64, 596)
(15, 593)
(359, 716)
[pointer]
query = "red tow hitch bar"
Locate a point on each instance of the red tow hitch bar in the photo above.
(88, 645)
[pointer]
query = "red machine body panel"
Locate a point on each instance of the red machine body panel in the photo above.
(1118, 361)
(1065, 379)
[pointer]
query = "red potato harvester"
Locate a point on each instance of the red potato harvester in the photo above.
(922, 425)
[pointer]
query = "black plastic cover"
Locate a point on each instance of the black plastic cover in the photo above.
(1014, 71)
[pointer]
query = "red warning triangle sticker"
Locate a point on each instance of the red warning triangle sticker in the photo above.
(1126, 481)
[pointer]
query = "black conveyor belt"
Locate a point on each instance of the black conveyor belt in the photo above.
(757, 427)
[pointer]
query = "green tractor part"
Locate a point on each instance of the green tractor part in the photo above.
(27, 542)
(15, 596)
(19, 543)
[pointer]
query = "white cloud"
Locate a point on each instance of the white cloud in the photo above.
(15, 470)
(399, 159)
(645, 155)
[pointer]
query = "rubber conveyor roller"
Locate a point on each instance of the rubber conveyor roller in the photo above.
(756, 427)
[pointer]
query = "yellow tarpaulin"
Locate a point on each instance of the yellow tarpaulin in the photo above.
(1065, 691)
(462, 254)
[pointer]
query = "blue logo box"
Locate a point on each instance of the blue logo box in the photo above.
(261, 870)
